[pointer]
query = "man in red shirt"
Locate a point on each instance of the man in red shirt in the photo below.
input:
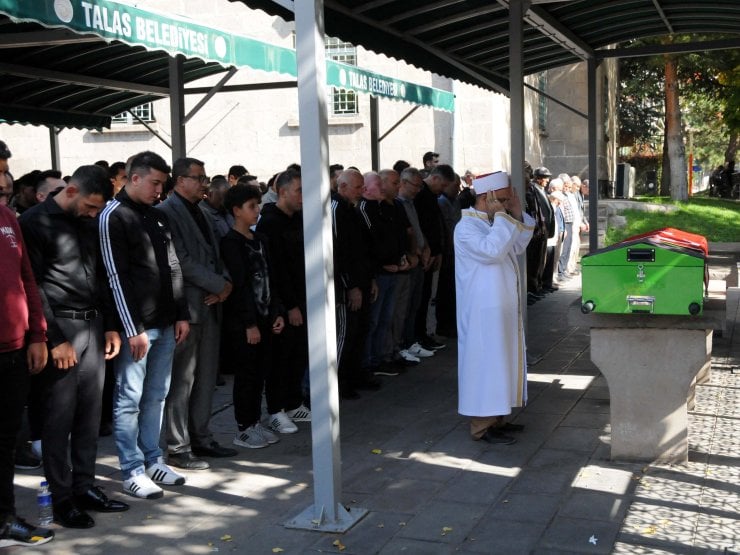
(22, 352)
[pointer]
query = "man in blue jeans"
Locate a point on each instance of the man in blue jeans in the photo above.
(147, 285)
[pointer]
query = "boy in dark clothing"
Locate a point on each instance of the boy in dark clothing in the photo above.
(251, 315)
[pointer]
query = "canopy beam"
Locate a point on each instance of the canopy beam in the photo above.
(211, 92)
(50, 37)
(682, 48)
(661, 13)
(556, 31)
(77, 79)
(245, 88)
(440, 54)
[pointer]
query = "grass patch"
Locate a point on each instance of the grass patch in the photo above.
(716, 219)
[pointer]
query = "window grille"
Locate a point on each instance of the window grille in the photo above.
(342, 102)
(542, 103)
(144, 111)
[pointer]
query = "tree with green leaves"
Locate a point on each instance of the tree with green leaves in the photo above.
(663, 97)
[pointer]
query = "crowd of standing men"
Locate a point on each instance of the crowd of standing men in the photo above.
(155, 278)
(557, 207)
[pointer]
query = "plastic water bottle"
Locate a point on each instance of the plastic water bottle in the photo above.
(46, 511)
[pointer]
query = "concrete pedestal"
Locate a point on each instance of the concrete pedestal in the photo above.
(651, 363)
(650, 372)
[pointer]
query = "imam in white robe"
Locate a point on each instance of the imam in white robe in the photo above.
(492, 365)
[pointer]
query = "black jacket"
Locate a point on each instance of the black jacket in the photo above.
(349, 266)
(388, 226)
(253, 300)
(430, 219)
(143, 270)
(287, 267)
(65, 256)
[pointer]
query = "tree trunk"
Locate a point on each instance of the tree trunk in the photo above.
(732, 145)
(665, 172)
(673, 136)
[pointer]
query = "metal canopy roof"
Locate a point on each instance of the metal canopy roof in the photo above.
(56, 77)
(468, 40)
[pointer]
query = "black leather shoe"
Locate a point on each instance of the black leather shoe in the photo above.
(213, 449)
(187, 461)
(510, 427)
(95, 500)
(493, 435)
(69, 515)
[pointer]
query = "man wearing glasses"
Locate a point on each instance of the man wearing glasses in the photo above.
(195, 366)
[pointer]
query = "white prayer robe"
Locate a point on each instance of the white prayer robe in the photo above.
(492, 365)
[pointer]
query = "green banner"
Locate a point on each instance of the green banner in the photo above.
(360, 80)
(130, 24)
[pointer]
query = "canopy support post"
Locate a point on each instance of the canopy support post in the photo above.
(327, 514)
(517, 9)
(374, 132)
(593, 174)
(54, 146)
(177, 107)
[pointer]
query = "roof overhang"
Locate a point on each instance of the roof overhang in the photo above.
(468, 40)
(79, 63)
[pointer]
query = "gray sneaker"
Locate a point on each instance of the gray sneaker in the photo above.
(250, 438)
(268, 436)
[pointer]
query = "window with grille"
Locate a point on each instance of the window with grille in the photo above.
(342, 102)
(542, 103)
(143, 111)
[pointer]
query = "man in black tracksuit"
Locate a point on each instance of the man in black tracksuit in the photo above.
(282, 224)
(350, 279)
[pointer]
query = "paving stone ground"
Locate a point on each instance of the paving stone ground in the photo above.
(407, 458)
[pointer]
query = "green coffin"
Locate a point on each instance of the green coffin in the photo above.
(643, 276)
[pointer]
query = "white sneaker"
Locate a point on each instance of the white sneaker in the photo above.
(419, 351)
(267, 435)
(280, 423)
(408, 357)
(250, 438)
(300, 414)
(140, 485)
(163, 474)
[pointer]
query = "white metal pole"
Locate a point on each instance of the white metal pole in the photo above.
(327, 512)
(517, 9)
